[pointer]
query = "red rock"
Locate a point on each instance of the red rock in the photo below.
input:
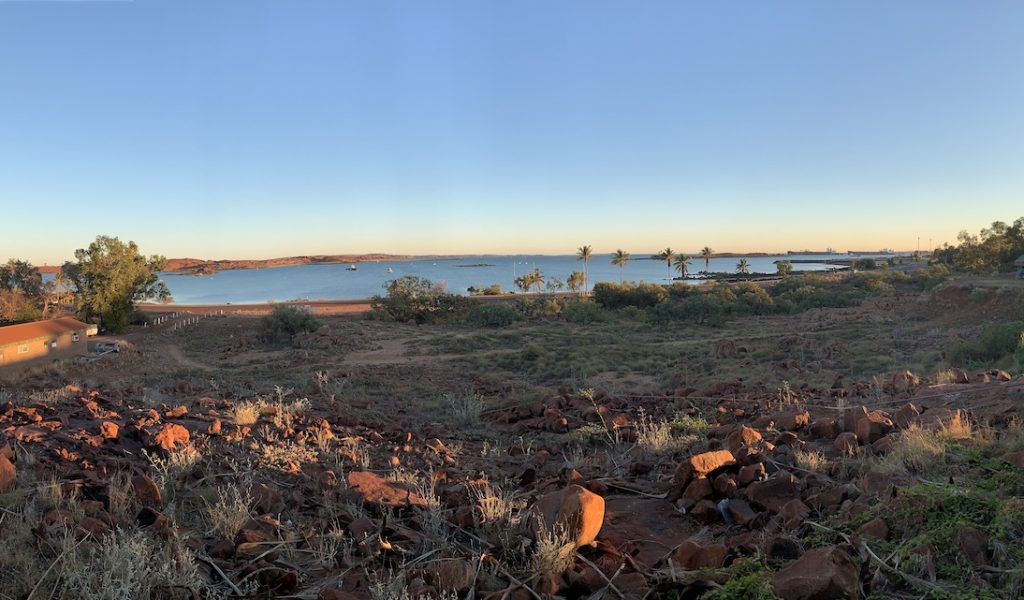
(787, 438)
(820, 574)
(692, 556)
(751, 473)
(875, 529)
(1015, 458)
(267, 499)
(455, 575)
(906, 415)
(873, 426)
(706, 512)
(8, 474)
(846, 443)
(94, 527)
(170, 437)
(700, 465)
(851, 416)
(176, 412)
(741, 512)
(784, 548)
(147, 493)
(108, 430)
(825, 429)
(375, 490)
(577, 509)
(793, 420)
(883, 445)
(725, 485)
(699, 488)
(773, 493)
(361, 528)
(793, 513)
(744, 436)
(973, 545)
(214, 428)
(223, 549)
(999, 375)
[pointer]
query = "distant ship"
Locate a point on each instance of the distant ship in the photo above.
(390, 270)
(350, 268)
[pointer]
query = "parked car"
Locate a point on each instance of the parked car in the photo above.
(106, 347)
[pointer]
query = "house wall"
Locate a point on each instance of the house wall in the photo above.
(42, 349)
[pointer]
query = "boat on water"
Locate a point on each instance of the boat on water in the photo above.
(351, 268)
(390, 270)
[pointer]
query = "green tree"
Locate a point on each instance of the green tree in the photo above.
(706, 253)
(682, 262)
(619, 259)
(784, 267)
(666, 255)
(576, 281)
(22, 276)
(554, 285)
(110, 276)
(743, 267)
(585, 253)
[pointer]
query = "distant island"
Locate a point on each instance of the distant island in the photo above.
(196, 266)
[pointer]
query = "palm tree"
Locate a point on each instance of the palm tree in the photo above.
(536, 278)
(585, 253)
(743, 266)
(575, 281)
(620, 258)
(706, 253)
(683, 265)
(666, 255)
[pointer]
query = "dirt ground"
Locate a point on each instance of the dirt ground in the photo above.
(775, 456)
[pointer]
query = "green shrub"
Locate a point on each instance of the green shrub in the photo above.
(993, 346)
(865, 264)
(784, 268)
(585, 312)
(701, 308)
(619, 295)
(411, 298)
(285, 321)
(493, 315)
(754, 298)
(531, 352)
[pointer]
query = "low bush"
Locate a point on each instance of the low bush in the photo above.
(621, 295)
(285, 321)
(493, 315)
(1001, 345)
(411, 298)
(585, 312)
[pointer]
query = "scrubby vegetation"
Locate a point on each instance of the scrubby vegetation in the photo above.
(993, 250)
(286, 321)
(416, 299)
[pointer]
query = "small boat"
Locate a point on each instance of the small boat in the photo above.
(390, 270)
(350, 268)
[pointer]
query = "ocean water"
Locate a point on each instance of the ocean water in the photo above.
(334, 282)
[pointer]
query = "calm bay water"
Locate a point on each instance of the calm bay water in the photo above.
(334, 282)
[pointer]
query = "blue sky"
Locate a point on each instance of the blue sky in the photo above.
(234, 129)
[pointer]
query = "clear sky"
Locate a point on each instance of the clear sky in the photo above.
(251, 129)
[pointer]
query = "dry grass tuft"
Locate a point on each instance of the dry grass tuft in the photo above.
(246, 413)
(915, 449)
(811, 461)
(555, 551)
(657, 437)
(230, 511)
(957, 428)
